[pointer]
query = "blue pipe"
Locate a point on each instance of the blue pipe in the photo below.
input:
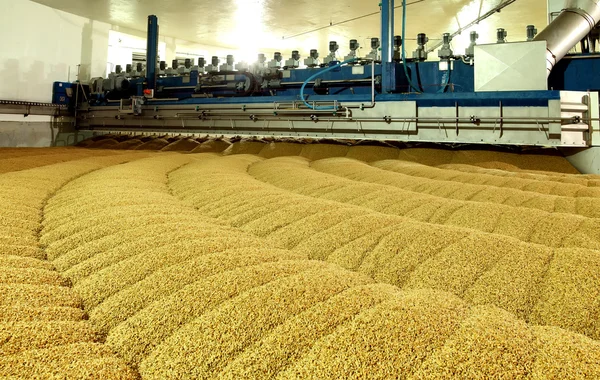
(152, 52)
(404, 64)
(315, 76)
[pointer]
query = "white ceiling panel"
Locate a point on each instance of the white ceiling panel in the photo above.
(268, 25)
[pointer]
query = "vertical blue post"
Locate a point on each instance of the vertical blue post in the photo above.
(387, 30)
(152, 52)
(387, 45)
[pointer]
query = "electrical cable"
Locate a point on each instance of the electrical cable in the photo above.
(315, 76)
(446, 78)
(490, 13)
(345, 21)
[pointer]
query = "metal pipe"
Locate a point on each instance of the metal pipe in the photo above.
(335, 81)
(152, 52)
(372, 105)
(574, 23)
(540, 122)
(179, 88)
(304, 111)
(417, 119)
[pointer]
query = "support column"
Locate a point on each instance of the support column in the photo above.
(387, 30)
(387, 46)
(152, 52)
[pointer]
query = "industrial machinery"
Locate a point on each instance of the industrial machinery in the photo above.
(513, 93)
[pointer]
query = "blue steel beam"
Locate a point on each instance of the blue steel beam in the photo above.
(387, 45)
(152, 52)
(387, 30)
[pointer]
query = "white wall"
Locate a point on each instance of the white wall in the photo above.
(94, 49)
(123, 44)
(555, 6)
(169, 48)
(40, 45)
(121, 47)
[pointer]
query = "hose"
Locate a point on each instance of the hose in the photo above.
(315, 76)
(404, 48)
(445, 81)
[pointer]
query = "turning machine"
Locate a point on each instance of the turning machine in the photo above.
(530, 93)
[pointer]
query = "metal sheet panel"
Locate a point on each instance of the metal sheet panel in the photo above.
(405, 109)
(586, 161)
(517, 66)
(595, 114)
(503, 123)
(575, 105)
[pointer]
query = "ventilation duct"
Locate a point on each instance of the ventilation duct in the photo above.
(574, 23)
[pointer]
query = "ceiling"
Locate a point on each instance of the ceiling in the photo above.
(268, 25)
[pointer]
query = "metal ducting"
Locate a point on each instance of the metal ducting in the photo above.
(574, 23)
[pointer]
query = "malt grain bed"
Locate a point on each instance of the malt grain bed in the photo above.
(43, 330)
(400, 250)
(467, 207)
(187, 265)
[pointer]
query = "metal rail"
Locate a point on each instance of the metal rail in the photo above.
(389, 119)
(342, 129)
(13, 107)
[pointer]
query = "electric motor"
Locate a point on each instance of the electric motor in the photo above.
(375, 44)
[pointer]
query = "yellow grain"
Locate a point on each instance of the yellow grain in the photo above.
(281, 149)
(189, 266)
(183, 145)
(22, 336)
(459, 260)
(536, 226)
(24, 313)
(245, 147)
(73, 361)
(154, 144)
(212, 146)
(488, 341)
(289, 342)
(563, 355)
(203, 347)
(31, 276)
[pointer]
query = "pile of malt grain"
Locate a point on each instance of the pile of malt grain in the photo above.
(189, 266)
